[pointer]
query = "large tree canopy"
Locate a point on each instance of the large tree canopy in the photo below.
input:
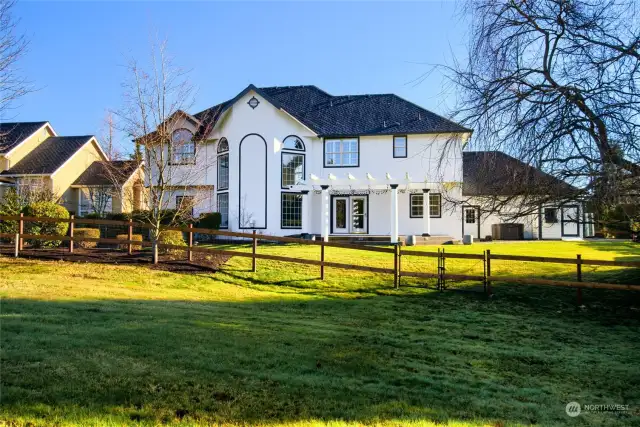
(556, 83)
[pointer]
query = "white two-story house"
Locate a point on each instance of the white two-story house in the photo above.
(296, 160)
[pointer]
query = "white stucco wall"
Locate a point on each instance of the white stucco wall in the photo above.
(247, 170)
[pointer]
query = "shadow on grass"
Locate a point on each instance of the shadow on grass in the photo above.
(434, 357)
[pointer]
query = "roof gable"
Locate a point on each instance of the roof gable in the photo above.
(349, 115)
(12, 134)
(107, 173)
(49, 156)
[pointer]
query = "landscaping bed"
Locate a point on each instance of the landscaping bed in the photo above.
(175, 262)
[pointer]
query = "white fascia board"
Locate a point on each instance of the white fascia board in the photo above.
(90, 141)
(298, 121)
(8, 153)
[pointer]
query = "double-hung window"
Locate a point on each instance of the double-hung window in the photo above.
(292, 169)
(183, 148)
(291, 210)
(416, 205)
(185, 204)
(343, 152)
(399, 146)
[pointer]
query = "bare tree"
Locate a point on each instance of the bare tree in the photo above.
(556, 84)
(156, 100)
(12, 47)
(108, 136)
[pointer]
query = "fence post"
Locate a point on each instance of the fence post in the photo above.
(488, 274)
(190, 240)
(130, 237)
(484, 271)
(395, 266)
(399, 264)
(579, 274)
(71, 226)
(438, 271)
(17, 245)
(21, 232)
(254, 266)
(442, 271)
(322, 259)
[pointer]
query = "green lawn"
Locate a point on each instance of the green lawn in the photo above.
(91, 344)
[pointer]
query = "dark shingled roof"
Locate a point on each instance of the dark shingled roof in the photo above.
(47, 157)
(348, 115)
(494, 173)
(102, 173)
(12, 134)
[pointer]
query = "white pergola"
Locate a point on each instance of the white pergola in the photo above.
(368, 184)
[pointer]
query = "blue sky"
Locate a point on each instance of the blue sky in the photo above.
(77, 50)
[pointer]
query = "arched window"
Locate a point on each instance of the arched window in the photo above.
(223, 164)
(292, 162)
(293, 142)
(183, 148)
(223, 145)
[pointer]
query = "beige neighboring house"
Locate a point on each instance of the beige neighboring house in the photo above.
(110, 186)
(33, 157)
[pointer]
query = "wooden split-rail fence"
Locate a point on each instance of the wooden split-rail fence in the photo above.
(396, 251)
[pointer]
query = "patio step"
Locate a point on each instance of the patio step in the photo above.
(368, 239)
(432, 240)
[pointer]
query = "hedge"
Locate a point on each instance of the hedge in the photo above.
(136, 237)
(93, 233)
(51, 210)
(171, 237)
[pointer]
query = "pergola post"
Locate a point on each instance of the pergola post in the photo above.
(394, 213)
(306, 211)
(426, 214)
(325, 213)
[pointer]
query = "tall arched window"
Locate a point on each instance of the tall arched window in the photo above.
(292, 161)
(183, 148)
(223, 182)
(223, 164)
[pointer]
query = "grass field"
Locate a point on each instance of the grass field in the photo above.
(90, 344)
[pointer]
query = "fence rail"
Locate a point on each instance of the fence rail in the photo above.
(487, 279)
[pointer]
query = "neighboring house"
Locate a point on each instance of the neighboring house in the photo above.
(33, 158)
(296, 160)
(16, 141)
(110, 186)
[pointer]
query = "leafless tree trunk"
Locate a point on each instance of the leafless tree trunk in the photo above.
(108, 137)
(157, 97)
(556, 84)
(12, 47)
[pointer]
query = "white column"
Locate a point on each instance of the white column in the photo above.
(394, 213)
(325, 213)
(79, 201)
(306, 212)
(426, 217)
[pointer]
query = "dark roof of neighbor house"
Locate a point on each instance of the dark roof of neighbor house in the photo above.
(107, 173)
(348, 115)
(47, 157)
(498, 174)
(12, 134)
